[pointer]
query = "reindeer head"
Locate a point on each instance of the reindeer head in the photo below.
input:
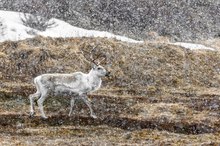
(96, 68)
(100, 71)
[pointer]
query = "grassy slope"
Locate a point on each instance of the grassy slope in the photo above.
(134, 67)
(157, 94)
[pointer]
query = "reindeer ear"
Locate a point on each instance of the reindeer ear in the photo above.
(94, 65)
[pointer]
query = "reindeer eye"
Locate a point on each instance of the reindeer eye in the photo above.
(99, 68)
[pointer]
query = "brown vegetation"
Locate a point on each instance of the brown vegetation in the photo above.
(157, 93)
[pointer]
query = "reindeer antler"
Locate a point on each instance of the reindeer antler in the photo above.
(91, 58)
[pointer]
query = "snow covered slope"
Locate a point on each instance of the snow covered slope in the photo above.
(15, 30)
(192, 46)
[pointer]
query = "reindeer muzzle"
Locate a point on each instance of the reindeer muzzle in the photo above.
(107, 74)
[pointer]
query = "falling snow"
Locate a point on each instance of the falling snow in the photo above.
(164, 59)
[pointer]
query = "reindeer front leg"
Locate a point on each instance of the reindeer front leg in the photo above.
(87, 102)
(72, 102)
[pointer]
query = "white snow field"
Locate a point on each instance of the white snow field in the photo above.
(14, 30)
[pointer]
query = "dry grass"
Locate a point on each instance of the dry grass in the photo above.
(166, 138)
(157, 94)
(172, 112)
(133, 67)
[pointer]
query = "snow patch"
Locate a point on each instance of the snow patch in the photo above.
(15, 30)
(192, 46)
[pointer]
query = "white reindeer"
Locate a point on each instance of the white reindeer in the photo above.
(76, 84)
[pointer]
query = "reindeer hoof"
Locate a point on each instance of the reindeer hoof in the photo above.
(94, 116)
(31, 114)
(70, 114)
(44, 117)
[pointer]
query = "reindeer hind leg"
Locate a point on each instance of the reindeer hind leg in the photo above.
(40, 102)
(33, 97)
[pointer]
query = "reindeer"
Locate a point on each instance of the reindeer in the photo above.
(76, 85)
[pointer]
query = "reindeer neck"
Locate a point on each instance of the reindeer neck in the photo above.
(93, 78)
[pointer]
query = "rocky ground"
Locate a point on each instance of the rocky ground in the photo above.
(158, 94)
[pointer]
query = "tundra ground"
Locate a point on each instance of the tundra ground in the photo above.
(157, 94)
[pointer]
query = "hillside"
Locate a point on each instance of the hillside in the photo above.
(181, 20)
(164, 83)
(157, 93)
(13, 28)
(133, 67)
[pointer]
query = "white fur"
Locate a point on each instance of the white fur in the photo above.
(76, 85)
